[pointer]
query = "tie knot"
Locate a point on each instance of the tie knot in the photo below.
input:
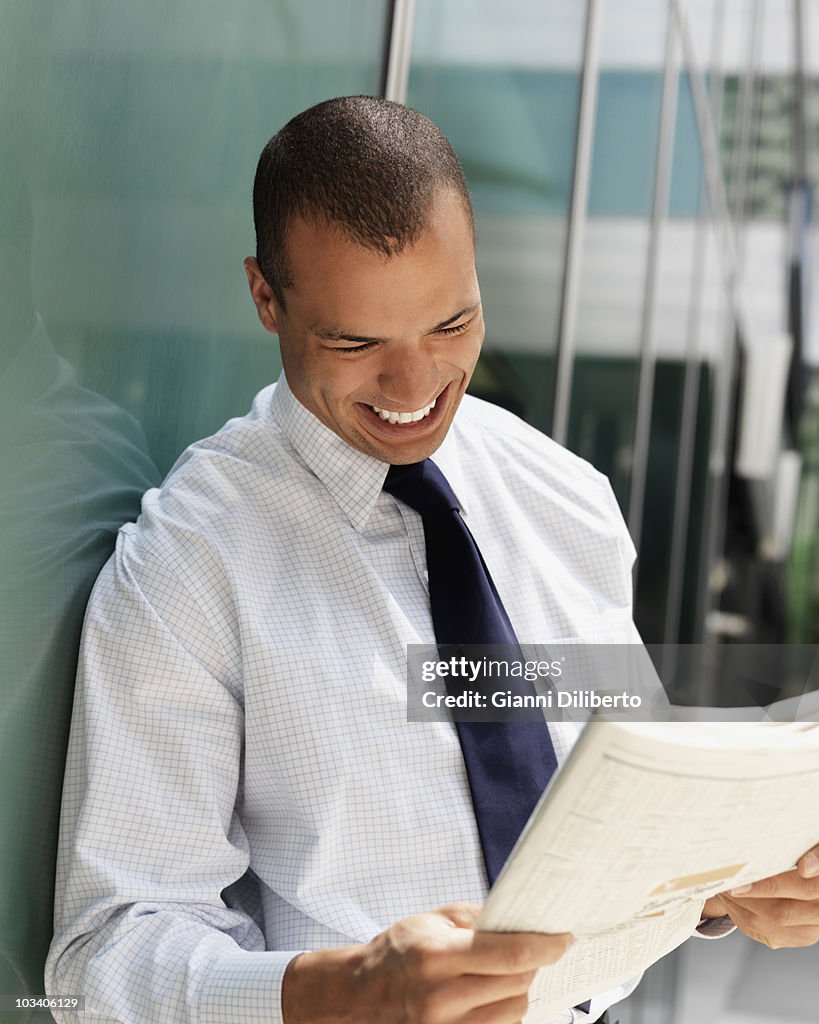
(423, 487)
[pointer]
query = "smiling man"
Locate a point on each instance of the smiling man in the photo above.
(252, 831)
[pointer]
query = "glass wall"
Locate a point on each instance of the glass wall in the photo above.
(130, 137)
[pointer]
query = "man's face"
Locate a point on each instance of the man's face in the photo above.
(367, 341)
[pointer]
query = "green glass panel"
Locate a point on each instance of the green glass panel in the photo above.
(130, 134)
(625, 143)
(687, 190)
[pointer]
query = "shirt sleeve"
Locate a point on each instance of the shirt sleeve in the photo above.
(715, 927)
(150, 837)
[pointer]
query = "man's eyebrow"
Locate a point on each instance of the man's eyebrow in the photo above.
(329, 334)
(452, 319)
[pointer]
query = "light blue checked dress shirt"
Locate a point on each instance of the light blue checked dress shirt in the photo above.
(242, 782)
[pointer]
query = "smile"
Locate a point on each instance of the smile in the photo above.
(404, 417)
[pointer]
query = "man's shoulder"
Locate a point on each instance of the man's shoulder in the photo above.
(218, 481)
(500, 435)
(511, 464)
(251, 441)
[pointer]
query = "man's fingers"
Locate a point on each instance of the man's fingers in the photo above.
(512, 952)
(776, 914)
(790, 885)
(507, 1011)
(714, 907)
(787, 883)
(470, 991)
(776, 923)
(464, 915)
(467, 951)
(436, 948)
(808, 864)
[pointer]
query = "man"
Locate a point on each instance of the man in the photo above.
(247, 809)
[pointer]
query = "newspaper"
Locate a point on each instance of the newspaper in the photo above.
(644, 822)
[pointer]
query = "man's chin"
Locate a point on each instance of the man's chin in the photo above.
(401, 454)
(408, 459)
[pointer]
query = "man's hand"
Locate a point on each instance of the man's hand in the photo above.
(432, 968)
(781, 911)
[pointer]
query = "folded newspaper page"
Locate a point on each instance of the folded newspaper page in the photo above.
(645, 821)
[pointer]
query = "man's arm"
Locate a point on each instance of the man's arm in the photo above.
(150, 837)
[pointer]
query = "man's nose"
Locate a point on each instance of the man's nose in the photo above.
(408, 377)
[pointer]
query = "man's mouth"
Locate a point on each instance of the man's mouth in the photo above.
(404, 417)
(392, 425)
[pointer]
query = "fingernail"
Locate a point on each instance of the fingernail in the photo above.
(741, 890)
(811, 865)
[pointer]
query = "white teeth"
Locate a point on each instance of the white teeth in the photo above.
(403, 417)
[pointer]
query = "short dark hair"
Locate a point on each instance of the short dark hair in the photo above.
(368, 165)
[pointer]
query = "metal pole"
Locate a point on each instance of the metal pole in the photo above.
(662, 183)
(694, 354)
(707, 126)
(740, 168)
(719, 469)
(709, 140)
(400, 50)
(800, 90)
(577, 222)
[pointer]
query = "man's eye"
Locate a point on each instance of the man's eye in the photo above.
(358, 348)
(455, 330)
(364, 346)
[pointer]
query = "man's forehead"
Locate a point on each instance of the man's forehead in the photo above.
(339, 285)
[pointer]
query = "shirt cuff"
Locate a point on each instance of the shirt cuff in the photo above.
(715, 927)
(243, 986)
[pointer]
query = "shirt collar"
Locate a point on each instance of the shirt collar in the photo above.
(353, 478)
(448, 459)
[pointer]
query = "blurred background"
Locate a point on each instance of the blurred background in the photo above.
(643, 176)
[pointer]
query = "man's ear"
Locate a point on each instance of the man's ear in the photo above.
(262, 295)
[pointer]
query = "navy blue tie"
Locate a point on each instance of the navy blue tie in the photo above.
(508, 764)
